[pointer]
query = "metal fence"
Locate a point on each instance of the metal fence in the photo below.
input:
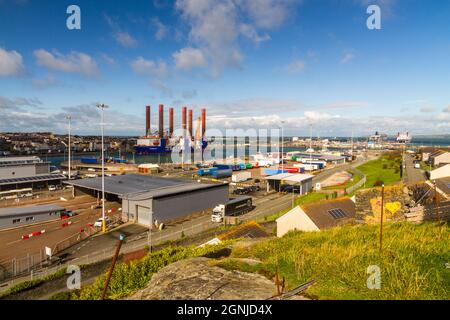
(32, 271)
(359, 184)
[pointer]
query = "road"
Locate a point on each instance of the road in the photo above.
(412, 175)
(12, 246)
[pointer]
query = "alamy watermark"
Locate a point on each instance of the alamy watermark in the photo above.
(374, 279)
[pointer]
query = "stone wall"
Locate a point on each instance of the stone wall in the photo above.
(397, 203)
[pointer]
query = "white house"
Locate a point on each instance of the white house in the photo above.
(317, 216)
(439, 158)
(441, 172)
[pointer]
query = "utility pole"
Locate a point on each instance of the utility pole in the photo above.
(119, 245)
(102, 107)
(69, 118)
(436, 201)
(381, 217)
(282, 145)
(310, 147)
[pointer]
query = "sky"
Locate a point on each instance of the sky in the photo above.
(251, 64)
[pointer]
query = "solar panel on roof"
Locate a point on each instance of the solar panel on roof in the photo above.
(337, 213)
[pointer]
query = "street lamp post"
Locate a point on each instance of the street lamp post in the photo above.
(282, 146)
(102, 124)
(69, 118)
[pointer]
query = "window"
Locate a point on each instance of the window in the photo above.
(337, 213)
(16, 221)
(29, 218)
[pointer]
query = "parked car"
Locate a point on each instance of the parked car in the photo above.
(51, 188)
(290, 188)
(70, 213)
(99, 222)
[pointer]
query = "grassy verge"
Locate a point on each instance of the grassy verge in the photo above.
(385, 169)
(310, 197)
(412, 263)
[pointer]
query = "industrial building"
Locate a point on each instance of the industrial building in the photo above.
(304, 181)
(26, 172)
(21, 216)
(145, 198)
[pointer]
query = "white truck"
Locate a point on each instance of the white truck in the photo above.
(234, 207)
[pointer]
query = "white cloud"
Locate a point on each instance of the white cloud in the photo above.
(143, 66)
(427, 109)
(161, 29)
(269, 14)
(45, 82)
(296, 66)
(76, 62)
(10, 63)
(189, 58)
(8, 103)
(108, 59)
(125, 39)
(216, 25)
(347, 57)
(164, 89)
(250, 32)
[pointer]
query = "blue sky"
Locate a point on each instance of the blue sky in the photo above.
(250, 63)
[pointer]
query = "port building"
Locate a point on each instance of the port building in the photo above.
(20, 216)
(26, 172)
(146, 199)
(304, 181)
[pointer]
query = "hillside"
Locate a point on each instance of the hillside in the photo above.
(413, 263)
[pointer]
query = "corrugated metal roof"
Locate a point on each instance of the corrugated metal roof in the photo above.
(136, 187)
(37, 178)
(21, 211)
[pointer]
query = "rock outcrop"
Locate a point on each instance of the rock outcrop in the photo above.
(195, 279)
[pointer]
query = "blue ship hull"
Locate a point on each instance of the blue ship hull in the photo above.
(162, 148)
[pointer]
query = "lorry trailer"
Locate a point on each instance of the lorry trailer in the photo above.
(234, 207)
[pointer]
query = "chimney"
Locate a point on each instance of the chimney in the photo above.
(170, 122)
(190, 122)
(183, 120)
(161, 121)
(203, 122)
(147, 120)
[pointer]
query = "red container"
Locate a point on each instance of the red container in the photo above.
(64, 217)
(292, 170)
(36, 233)
(25, 236)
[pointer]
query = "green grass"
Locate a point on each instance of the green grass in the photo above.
(310, 197)
(385, 169)
(412, 262)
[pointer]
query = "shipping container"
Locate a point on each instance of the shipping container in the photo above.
(241, 176)
(89, 160)
(249, 165)
(225, 173)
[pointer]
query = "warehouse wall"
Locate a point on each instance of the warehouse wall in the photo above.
(7, 222)
(173, 207)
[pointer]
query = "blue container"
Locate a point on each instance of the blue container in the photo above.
(242, 166)
(272, 172)
(301, 170)
(89, 160)
(236, 167)
(223, 166)
(225, 173)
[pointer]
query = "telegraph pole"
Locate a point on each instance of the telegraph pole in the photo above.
(69, 118)
(102, 124)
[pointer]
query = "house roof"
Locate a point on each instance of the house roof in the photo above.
(438, 153)
(36, 178)
(444, 184)
(321, 213)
